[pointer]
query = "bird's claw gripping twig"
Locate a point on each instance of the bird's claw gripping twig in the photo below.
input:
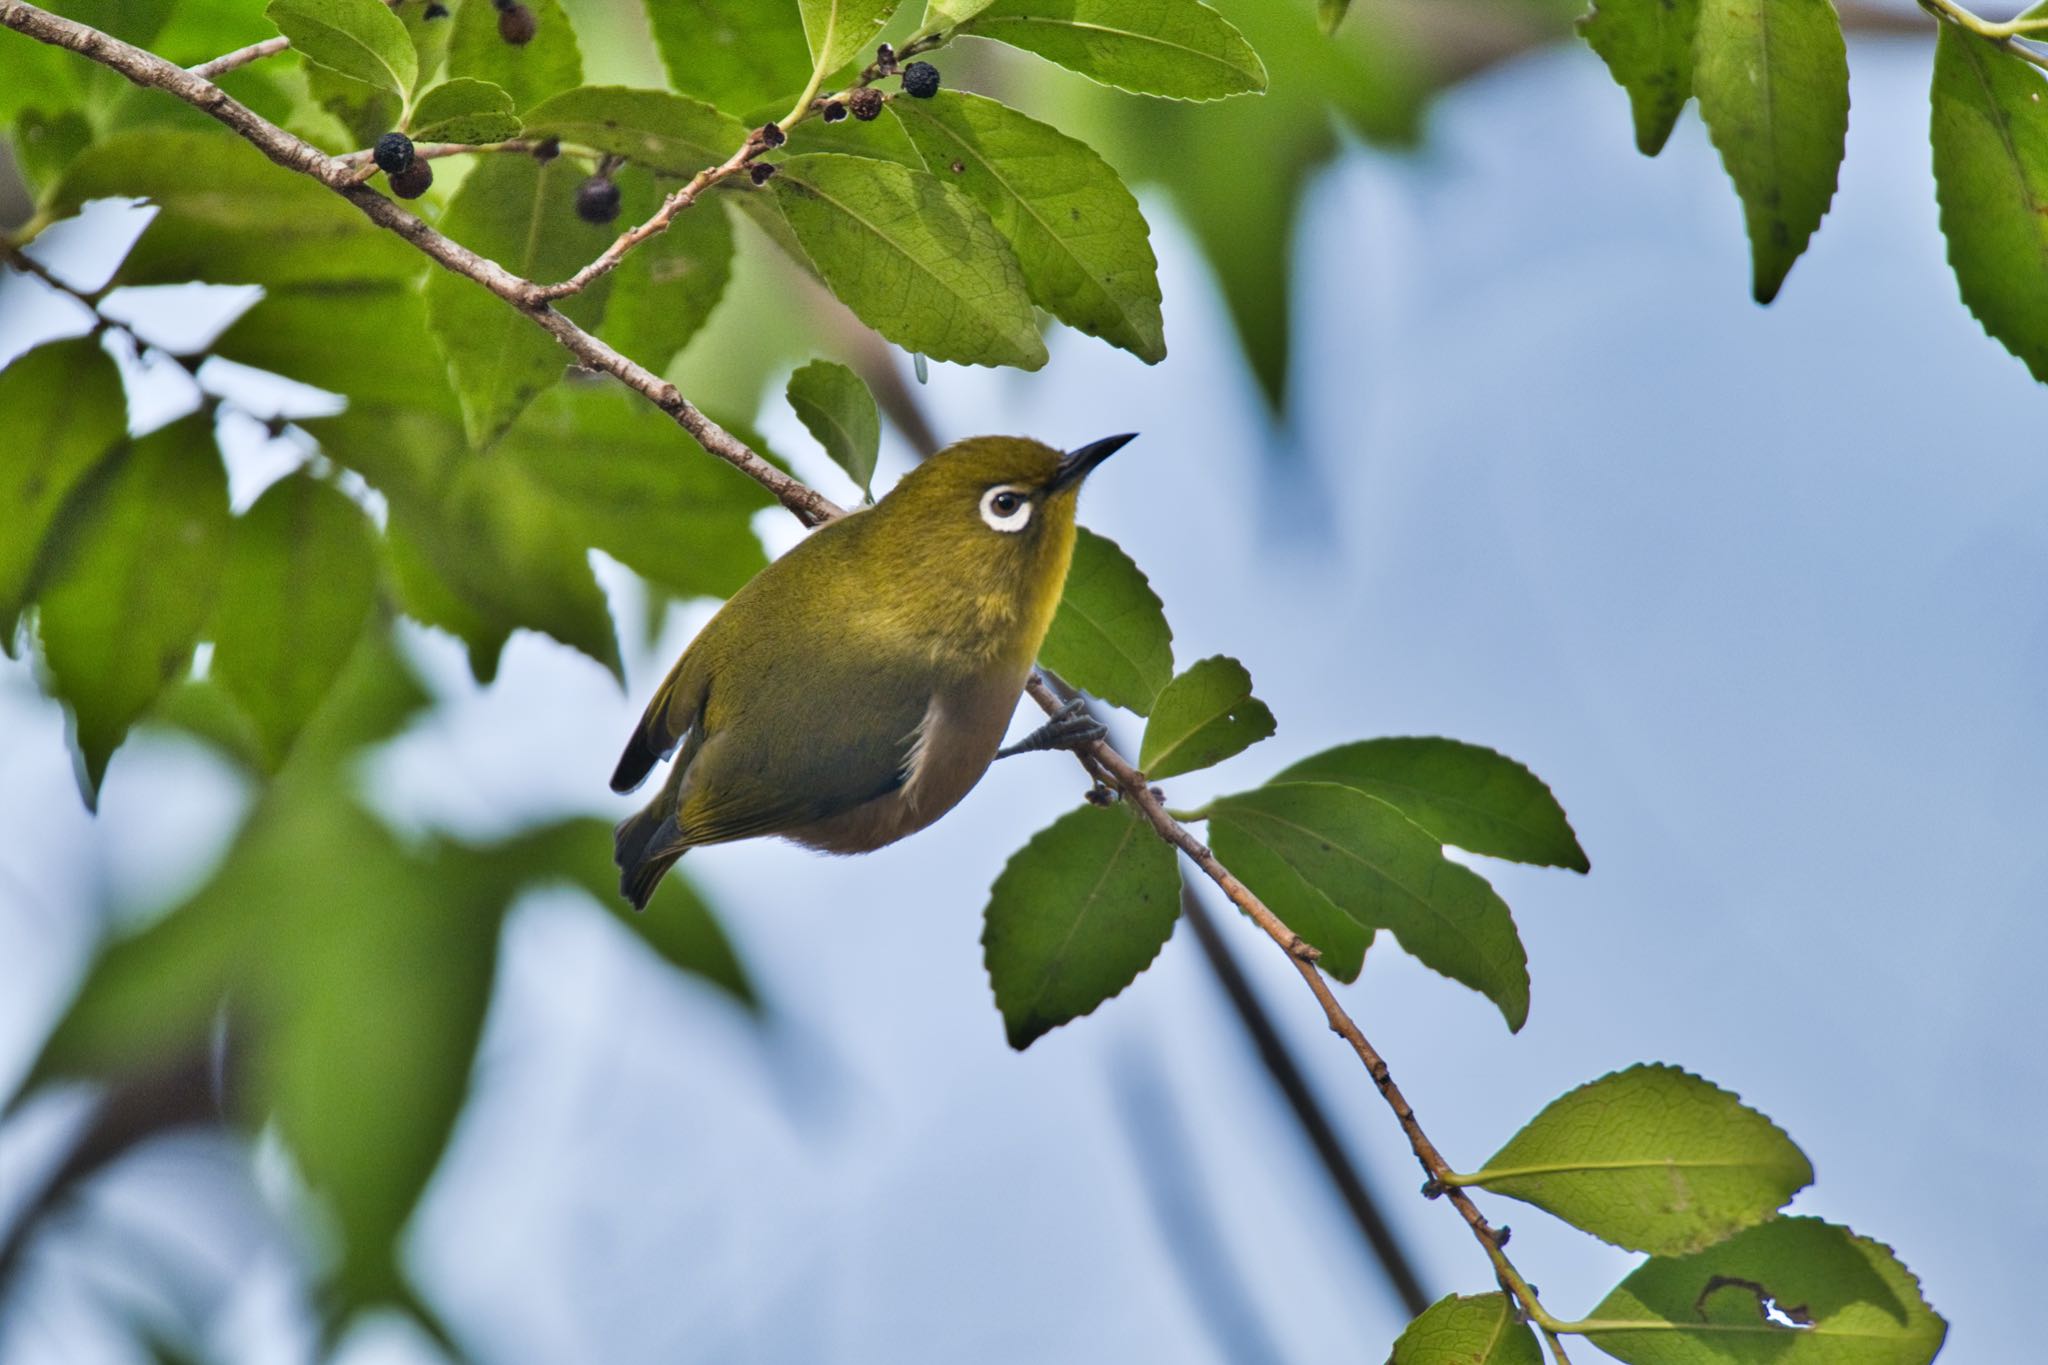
(1071, 727)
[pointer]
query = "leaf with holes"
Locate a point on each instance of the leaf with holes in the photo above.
(1647, 45)
(1772, 78)
(132, 584)
(301, 583)
(1465, 795)
(912, 257)
(1479, 1329)
(1337, 865)
(360, 39)
(1109, 636)
(1203, 717)
(1990, 135)
(1075, 916)
(837, 409)
(1177, 49)
(464, 110)
(1652, 1159)
(1793, 1291)
(1082, 244)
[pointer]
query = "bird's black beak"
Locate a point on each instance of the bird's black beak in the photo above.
(1076, 465)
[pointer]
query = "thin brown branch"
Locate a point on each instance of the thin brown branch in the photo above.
(241, 56)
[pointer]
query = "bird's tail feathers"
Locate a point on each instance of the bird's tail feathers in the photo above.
(645, 846)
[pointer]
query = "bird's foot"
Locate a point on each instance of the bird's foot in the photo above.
(1071, 727)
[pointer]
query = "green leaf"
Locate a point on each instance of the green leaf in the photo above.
(838, 29)
(1479, 1329)
(1647, 45)
(1772, 78)
(1203, 717)
(1465, 795)
(133, 584)
(301, 582)
(1178, 49)
(670, 133)
(1109, 636)
(664, 292)
(464, 110)
(1990, 135)
(914, 258)
(1652, 1159)
(1330, 14)
(837, 409)
(551, 63)
(736, 53)
(616, 474)
(229, 216)
(1075, 916)
(1082, 244)
(65, 414)
(522, 215)
(941, 14)
(677, 926)
(360, 39)
(1854, 1303)
(1336, 865)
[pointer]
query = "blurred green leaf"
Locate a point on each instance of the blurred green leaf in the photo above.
(1336, 865)
(1479, 1329)
(1178, 49)
(301, 581)
(914, 258)
(1990, 135)
(364, 112)
(665, 291)
(1075, 916)
(1647, 45)
(132, 584)
(1330, 14)
(464, 110)
(735, 53)
(620, 476)
(429, 598)
(45, 145)
(1772, 78)
(670, 133)
(229, 216)
(677, 926)
(549, 64)
(360, 39)
(1203, 717)
(1652, 1159)
(522, 215)
(1109, 636)
(132, 21)
(65, 413)
(840, 29)
(1848, 1301)
(940, 14)
(837, 409)
(1080, 240)
(1465, 795)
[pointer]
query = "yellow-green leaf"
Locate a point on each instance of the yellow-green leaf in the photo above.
(1110, 636)
(1647, 45)
(1203, 717)
(360, 39)
(1177, 49)
(837, 409)
(1479, 1329)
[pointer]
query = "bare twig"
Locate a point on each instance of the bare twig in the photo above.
(241, 56)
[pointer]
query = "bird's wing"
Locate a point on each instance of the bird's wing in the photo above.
(668, 718)
(811, 740)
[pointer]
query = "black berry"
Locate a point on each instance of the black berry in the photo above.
(516, 24)
(760, 172)
(834, 112)
(412, 182)
(597, 200)
(437, 11)
(547, 149)
(393, 153)
(866, 103)
(920, 80)
(771, 135)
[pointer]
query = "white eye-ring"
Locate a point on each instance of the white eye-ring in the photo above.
(1005, 508)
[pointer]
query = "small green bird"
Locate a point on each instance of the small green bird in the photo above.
(857, 688)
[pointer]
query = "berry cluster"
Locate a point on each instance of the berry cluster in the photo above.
(409, 173)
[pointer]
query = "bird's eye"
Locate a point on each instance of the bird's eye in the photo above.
(1005, 509)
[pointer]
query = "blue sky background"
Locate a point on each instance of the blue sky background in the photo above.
(1758, 591)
